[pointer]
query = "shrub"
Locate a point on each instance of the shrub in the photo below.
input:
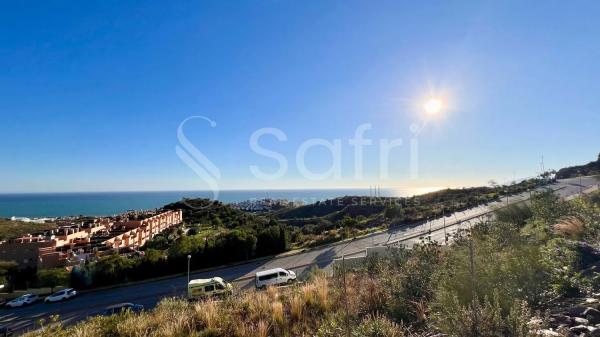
(52, 278)
(377, 326)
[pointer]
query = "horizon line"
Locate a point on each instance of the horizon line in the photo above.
(233, 190)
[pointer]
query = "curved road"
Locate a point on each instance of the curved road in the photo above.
(149, 293)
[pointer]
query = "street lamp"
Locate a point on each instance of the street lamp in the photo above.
(189, 257)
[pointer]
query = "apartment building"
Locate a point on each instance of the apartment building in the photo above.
(69, 243)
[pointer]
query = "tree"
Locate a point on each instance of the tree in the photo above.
(393, 212)
(217, 222)
(52, 278)
(272, 240)
(237, 245)
(113, 269)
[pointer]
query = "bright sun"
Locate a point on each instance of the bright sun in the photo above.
(433, 106)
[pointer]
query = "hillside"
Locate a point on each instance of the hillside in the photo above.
(516, 277)
(401, 210)
(11, 229)
(205, 211)
(591, 168)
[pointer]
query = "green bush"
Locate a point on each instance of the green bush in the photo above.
(52, 278)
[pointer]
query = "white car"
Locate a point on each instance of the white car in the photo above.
(61, 295)
(23, 300)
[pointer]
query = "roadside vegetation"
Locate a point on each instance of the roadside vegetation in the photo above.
(511, 276)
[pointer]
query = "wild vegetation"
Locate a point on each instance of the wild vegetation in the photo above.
(498, 278)
(11, 229)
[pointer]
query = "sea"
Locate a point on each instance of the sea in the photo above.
(48, 205)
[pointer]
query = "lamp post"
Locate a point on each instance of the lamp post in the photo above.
(189, 257)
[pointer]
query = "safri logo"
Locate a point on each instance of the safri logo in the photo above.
(196, 160)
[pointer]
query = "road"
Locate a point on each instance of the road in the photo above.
(149, 293)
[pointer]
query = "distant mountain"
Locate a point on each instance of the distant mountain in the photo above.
(591, 168)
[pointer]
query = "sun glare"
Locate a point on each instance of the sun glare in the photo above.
(433, 106)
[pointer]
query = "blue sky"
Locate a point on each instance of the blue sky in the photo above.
(92, 93)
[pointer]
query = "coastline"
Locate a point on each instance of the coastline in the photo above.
(50, 205)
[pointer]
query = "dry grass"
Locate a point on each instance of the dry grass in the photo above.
(208, 314)
(571, 227)
(293, 311)
(297, 307)
(262, 329)
(277, 313)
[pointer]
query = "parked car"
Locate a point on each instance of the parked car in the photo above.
(122, 307)
(61, 295)
(274, 277)
(5, 331)
(212, 287)
(23, 300)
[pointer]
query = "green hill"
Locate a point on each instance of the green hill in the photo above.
(589, 169)
(11, 229)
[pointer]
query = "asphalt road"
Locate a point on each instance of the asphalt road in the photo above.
(149, 293)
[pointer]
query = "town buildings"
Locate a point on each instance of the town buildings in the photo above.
(72, 242)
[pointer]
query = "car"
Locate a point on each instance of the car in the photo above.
(122, 307)
(5, 331)
(274, 277)
(61, 295)
(211, 287)
(23, 300)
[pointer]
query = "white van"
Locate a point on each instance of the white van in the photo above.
(274, 277)
(212, 287)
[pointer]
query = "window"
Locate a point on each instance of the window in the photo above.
(220, 286)
(267, 277)
(209, 288)
(282, 274)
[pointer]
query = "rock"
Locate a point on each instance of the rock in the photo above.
(535, 321)
(576, 310)
(592, 315)
(559, 319)
(581, 321)
(579, 329)
(548, 333)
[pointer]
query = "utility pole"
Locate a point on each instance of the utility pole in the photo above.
(430, 223)
(444, 224)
